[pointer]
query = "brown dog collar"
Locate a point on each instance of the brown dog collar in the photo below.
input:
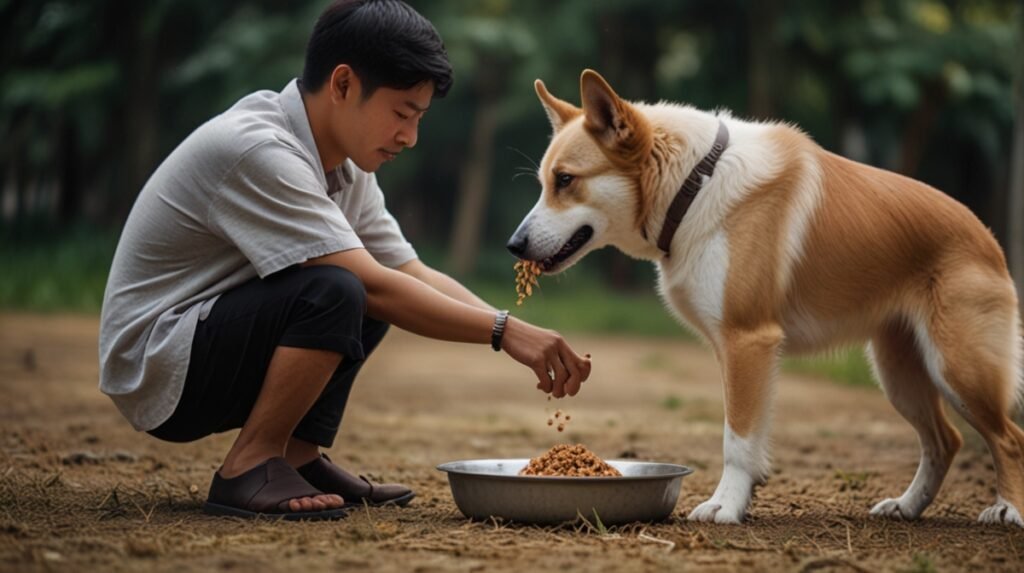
(690, 187)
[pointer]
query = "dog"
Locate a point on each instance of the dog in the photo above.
(765, 242)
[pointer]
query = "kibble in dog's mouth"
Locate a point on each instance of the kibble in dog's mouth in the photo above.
(575, 242)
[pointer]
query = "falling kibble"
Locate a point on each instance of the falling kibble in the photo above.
(561, 427)
(526, 279)
(550, 422)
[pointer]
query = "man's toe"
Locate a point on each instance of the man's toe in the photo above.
(331, 501)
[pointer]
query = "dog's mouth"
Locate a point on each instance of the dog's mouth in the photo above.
(577, 240)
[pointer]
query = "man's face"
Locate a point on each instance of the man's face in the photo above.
(375, 130)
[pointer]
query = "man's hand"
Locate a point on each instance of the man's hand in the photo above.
(400, 299)
(559, 369)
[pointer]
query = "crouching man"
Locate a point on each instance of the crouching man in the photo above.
(259, 268)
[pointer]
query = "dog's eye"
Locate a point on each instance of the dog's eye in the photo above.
(562, 180)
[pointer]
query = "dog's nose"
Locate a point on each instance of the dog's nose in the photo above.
(517, 245)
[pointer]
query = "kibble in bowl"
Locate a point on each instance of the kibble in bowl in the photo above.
(501, 488)
(570, 461)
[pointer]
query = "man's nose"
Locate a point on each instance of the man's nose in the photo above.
(407, 137)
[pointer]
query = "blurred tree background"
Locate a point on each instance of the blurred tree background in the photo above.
(94, 93)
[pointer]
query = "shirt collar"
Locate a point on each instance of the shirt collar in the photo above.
(291, 103)
(295, 109)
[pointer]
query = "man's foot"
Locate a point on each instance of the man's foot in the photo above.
(300, 452)
(272, 489)
(324, 475)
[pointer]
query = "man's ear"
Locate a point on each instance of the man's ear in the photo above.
(343, 82)
(622, 130)
(559, 112)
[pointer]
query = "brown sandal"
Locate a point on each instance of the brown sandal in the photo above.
(264, 491)
(323, 474)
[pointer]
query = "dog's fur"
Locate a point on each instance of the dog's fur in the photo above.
(790, 247)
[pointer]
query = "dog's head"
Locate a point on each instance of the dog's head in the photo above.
(591, 176)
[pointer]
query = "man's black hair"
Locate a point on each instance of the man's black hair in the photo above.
(386, 43)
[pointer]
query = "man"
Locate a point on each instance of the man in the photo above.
(259, 267)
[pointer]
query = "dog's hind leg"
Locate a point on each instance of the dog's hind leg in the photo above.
(749, 362)
(972, 350)
(903, 375)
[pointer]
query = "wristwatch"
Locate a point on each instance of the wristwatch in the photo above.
(499, 329)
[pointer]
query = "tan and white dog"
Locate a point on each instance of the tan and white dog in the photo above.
(788, 247)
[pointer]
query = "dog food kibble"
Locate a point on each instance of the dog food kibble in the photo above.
(568, 417)
(561, 427)
(550, 421)
(526, 279)
(569, 461)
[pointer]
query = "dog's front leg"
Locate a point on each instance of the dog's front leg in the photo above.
(749, 361)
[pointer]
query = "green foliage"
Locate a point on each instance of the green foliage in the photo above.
(921, 563)
(848, 366)
(573, 306)
(65, 274)
(111, 88)
(672, 402)
(94, 94)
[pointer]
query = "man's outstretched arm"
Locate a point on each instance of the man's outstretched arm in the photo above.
(412, 305)
(444, 283)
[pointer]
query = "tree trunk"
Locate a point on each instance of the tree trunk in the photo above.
(474, 187)
(762, 57)
(1015, 222)
(137, 51)
(69, 183)
(919, 127)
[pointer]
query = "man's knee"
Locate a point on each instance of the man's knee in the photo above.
(334, 288)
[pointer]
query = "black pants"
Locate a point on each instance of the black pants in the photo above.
(319, 307)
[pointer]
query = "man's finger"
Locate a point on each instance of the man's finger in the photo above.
(544, 379)
(572, 384)
(561, 374)
(584, 367)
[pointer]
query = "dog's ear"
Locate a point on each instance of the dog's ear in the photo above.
(614, 122)
(559, 112)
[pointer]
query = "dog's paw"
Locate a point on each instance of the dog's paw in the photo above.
(713, 511)
(1001, 513)
(894, 509)
(705, 511)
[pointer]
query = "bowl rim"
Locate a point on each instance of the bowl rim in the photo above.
(677, 470)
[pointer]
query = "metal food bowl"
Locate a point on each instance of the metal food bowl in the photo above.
(647, 491)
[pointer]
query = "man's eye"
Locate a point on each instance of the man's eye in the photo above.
(401, 115)
(562, 180)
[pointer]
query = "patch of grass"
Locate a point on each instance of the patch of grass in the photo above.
(575, 306)
(65, 273)
(672, 402)
(920, 564)
(852, 480)
(654, 361)
(848, 367)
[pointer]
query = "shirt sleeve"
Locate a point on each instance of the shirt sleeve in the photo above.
(379, 230)
(273, 207)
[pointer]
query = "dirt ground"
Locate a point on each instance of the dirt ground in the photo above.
(81, 491)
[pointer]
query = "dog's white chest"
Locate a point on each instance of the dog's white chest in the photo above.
(693, 284)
